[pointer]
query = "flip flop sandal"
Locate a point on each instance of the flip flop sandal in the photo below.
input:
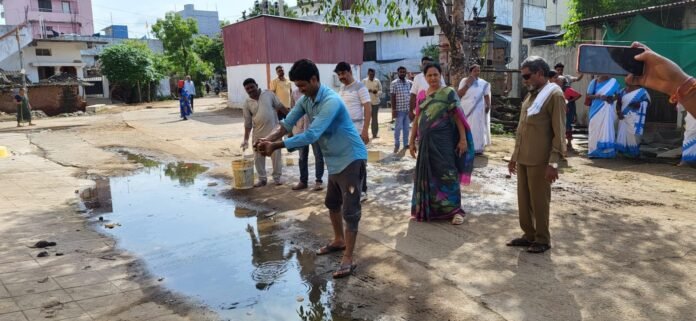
(328, 248)
(344, 270)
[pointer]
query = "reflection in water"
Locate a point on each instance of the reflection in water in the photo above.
(184, 172)
(235, 264)
(140, 159)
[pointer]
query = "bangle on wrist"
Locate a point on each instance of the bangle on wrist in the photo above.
(683, 91)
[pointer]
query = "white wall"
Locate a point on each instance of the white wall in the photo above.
(163, 90)
(237, 74)
(61, 52)
(557, 12)
(397, 45)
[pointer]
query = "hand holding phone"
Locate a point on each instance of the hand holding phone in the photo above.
(660, 73)
(609, 60)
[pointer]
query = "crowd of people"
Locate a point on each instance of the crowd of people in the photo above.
(449, 127)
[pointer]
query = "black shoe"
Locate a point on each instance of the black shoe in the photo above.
(521, 242)
(538, 248)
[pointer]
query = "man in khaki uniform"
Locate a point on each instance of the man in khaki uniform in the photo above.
(282, 88)
(539, 146)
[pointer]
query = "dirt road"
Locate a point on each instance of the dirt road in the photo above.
(622, 231)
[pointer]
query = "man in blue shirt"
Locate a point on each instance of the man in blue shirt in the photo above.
(343, 149)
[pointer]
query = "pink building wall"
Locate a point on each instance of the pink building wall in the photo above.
(78, 21)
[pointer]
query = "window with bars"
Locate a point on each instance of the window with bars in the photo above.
(43, 52)
(370, 51)
(66, 7)
(427, 32)
(45, 6)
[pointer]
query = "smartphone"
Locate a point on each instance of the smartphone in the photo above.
(609, 60)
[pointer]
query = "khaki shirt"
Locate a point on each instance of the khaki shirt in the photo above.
(375, 85)
(282, 89)
(540, 138)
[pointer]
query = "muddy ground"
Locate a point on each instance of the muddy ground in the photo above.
(622, 230)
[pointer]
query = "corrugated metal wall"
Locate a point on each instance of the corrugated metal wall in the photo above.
(278, 40)
(245, 43)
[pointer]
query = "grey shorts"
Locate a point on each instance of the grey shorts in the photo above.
(343, 192)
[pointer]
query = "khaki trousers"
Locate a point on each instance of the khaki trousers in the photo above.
(260, 164)
(533, 199)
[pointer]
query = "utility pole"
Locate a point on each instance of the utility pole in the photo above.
(516, 50)
(21, 58)
(281, 8)
(490, 19)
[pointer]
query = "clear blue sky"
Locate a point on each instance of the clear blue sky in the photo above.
(136, 13)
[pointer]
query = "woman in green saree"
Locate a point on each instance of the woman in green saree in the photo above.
(23, 110)
(443, 146)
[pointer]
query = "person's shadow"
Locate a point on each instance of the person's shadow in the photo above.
(534, 293)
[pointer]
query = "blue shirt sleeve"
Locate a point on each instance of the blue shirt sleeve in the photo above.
(321, 122)
(293, 116)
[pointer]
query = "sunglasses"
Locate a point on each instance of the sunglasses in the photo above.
(526, 76)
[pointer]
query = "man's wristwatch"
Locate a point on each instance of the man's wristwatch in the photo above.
(554, 165)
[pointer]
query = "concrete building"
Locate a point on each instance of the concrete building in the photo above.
(254, 47)
(116, 31)
(50, 18)
(557, 13)
(208, 21)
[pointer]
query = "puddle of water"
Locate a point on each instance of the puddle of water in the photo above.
(230, 258)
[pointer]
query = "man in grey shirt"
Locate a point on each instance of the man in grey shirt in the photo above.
(261, 114)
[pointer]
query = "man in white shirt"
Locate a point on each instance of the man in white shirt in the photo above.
(374, 86)
(190, 88)
(419, 83)
(356, 97)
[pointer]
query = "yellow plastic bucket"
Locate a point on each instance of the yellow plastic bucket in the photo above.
(4, 152)
(243, 173)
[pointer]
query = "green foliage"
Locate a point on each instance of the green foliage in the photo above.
(180, 55)
(211, 50)
(397, 12)
(497, 129)
(432, 50)
(583, 9)
(129, 63)
(256, 11)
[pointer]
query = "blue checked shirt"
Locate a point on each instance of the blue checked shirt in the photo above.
(402, 90)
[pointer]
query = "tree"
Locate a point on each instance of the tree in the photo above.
(431, 50)
(404, 12)
(129, 65)
(257, 10)
(211, 50)
(178, 37)
(582, 9)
